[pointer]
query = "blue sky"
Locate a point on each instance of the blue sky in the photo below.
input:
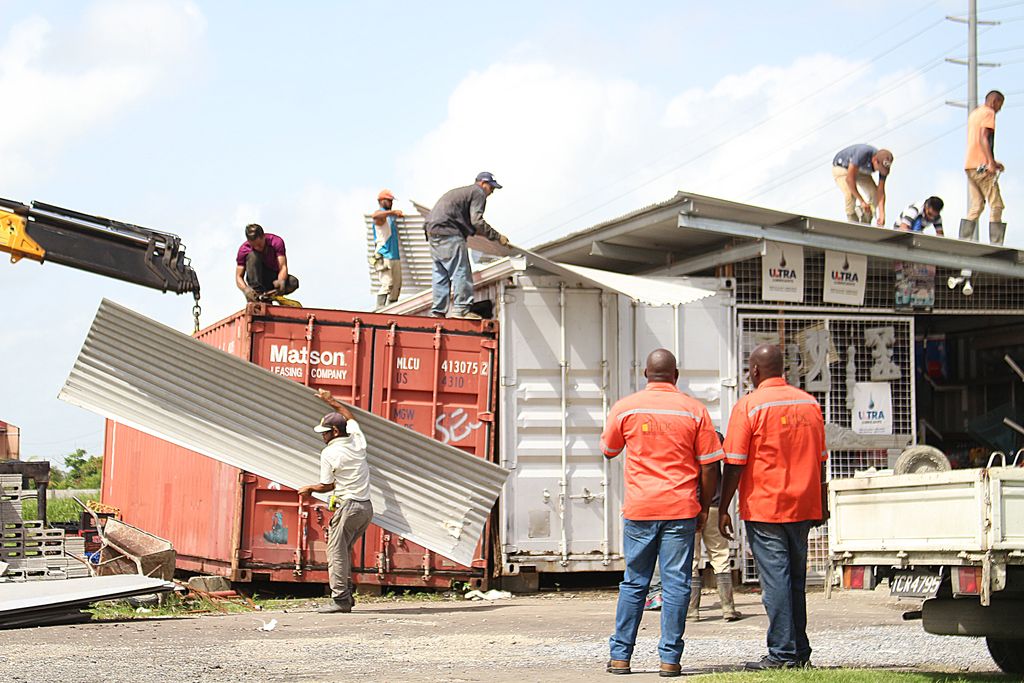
(199, 117)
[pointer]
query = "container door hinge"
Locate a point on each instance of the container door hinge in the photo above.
(485, 417)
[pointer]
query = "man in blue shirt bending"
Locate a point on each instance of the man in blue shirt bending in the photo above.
(851, 169)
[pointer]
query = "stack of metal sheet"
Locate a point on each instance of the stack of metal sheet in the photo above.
(29, 550)
(62, 602)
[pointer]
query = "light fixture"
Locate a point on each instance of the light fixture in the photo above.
(965, 277)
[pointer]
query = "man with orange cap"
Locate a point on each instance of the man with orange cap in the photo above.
(387, 262)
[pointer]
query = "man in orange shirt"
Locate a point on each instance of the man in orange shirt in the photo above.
(983, 171)
(669, 442)
(775, 453)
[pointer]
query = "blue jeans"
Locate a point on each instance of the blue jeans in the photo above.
(670, 543)
(780, 551)
(452, 274)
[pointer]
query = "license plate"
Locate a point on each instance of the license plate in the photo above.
(915, 584)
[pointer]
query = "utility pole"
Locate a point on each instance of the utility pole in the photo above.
(971, 62)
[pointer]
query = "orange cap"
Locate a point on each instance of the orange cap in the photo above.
(385, 194)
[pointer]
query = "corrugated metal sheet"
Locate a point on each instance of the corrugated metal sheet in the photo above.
(156, 379)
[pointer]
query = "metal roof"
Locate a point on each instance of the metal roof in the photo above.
(165, 383)
(690, 233)
(656, 291)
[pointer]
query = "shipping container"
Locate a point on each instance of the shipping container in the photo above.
(434, 376)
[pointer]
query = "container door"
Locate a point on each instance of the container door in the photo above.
(700, 336)
(322, 354)
(442, 385)
(561, 504)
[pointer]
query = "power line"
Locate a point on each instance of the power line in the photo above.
(817, 92)
(1003, 6)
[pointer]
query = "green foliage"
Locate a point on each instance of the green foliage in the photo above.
(82, 471)
(57, 509)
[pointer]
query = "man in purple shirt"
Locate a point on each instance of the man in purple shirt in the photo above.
(262, 266)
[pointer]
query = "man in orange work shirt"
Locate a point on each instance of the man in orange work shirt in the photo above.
(669, 442)
(775, 452)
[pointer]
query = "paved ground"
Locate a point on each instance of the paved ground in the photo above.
(546, 637)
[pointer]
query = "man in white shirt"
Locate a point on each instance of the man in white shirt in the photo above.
(343, 471)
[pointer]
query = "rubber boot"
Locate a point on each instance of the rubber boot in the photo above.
(693, 611)
(724, 582)
(996, 232)
(382, 300)
(968, 230)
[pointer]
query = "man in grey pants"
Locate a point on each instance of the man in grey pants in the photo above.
(458, 214)
(343, 471)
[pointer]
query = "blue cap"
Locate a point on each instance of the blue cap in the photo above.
(488, 178)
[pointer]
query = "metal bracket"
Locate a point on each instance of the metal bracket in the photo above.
(15, 240)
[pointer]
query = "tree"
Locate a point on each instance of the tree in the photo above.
(82, 471)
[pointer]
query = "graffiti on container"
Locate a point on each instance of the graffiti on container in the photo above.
(455, 426)
(278, 531)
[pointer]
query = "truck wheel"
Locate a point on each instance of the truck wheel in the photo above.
(915, 459)
(1008, 654)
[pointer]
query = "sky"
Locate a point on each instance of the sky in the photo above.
(199, 117)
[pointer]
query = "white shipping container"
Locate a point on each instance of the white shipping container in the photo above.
(567, 353)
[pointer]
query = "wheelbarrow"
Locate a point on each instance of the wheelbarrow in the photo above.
(125, 549)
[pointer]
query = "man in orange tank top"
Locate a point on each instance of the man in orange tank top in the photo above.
(775, 452)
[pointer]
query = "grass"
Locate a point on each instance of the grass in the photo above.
(845, 676)
(172, 606)
(57, 509)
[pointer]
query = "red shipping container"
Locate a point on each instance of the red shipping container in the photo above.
(435, 376)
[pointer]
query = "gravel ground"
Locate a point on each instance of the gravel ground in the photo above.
(537, 638)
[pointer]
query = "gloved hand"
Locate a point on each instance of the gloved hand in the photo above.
(502, 240)
(376, 259)
(250, 294)
(279, 285)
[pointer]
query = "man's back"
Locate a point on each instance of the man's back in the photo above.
(777, 432)
(666, 436)
(451, 214)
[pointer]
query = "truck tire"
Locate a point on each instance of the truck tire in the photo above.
(915, 459)
(1008, 654)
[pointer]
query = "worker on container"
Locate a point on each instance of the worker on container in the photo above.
(917, 217)
(852, 168)
(262, 266)
(775, 453)
(669, 444)
(345, 474)
(983, 171)
(386, 259)
(458, 214)
(717, 546)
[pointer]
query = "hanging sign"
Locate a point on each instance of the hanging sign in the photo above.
(782, 273)
(915, 285)
(845, 278)
(872, 408)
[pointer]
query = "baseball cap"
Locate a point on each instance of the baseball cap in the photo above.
(488, 178)
(330, 420)
(385, 194)
(884, 158)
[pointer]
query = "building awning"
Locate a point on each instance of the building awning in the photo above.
(148, 376)
(691, 233)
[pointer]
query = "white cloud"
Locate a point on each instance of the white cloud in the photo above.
(573, 147)
(67, 82)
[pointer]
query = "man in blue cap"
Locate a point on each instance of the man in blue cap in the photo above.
(458, 214)
(343, 472)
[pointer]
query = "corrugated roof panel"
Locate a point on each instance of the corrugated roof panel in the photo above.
(160, 381)
(414, 249)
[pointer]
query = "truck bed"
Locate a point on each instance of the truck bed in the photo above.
(929, 518)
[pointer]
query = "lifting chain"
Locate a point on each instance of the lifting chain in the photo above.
(196, 312)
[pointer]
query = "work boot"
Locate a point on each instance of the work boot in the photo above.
(996, 232)
(667, 670)
(335, 607)
(729, 612)
(693, 611)
(382, 300)
(468, 315)
(968, 230)
(618, 666)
